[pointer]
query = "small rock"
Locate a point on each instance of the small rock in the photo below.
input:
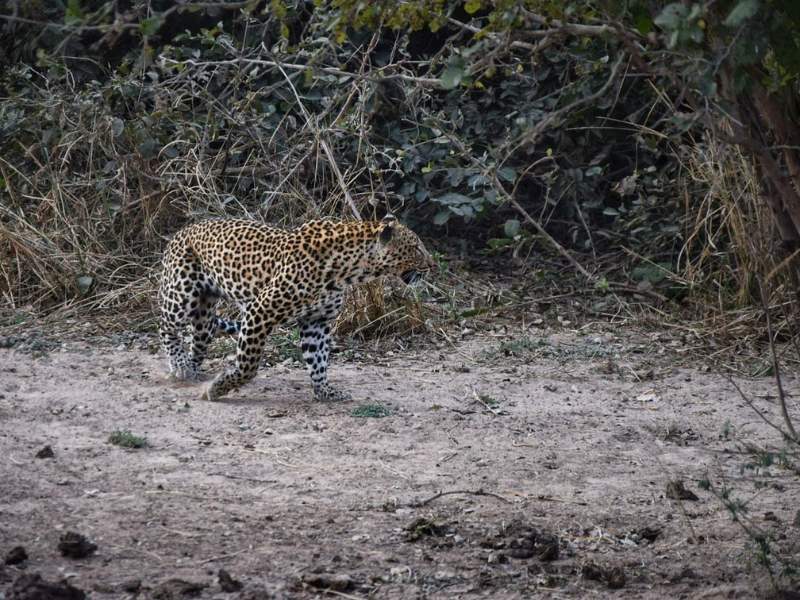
(592, 571)
(524, 543)
(46, 452)
(648, 533)
(615, 578)
(33, 587)
(422, 527)
(258, 593)
(16, 555)
(677, 491)
(771, 516)
(74, 545)
(685, 573)
(130, 585)
(495, 558)
(174, 589)
(228, 583)
(547, 548)
(329, 581)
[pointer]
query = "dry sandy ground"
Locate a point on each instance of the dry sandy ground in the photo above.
(560, 452)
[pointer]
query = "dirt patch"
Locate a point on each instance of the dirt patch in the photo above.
(495, 467)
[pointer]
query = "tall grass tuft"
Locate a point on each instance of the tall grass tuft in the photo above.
(732, 249)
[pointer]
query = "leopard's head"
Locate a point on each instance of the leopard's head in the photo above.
(402, 252)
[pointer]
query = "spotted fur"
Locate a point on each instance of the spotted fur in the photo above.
(273, 276)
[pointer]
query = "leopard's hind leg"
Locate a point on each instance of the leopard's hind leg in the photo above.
(173, 321)
(203, 319)
(187, 297)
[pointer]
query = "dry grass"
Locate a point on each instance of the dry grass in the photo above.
(732, 248)
(371, 312)
(87, 208)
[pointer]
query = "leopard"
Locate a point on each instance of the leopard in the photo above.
(273, 276)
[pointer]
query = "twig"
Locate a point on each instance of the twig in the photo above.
(755, 408)
(220, 557)
(119, 26)
(559, 27)
(342, 594)
(253, 479)
(561, 500)
(781, 393)
(325, 147)
(423, 81)
(481, 401)
(549, 119)
(543, 232)
(468, 492)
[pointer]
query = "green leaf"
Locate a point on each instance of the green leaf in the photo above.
(511, 228)
(453, 198)
(672, 16)
(496, 243)
(453, 74)
(455, 176)
(594, 171)
(463, 210)
(117, 126)
(508, 174)
(408, 188)
(148, 148)
(84, 282)
(442, 217)
(73, 13)
(745, 9)
(472, 6)
(652, 272)
(148, 27)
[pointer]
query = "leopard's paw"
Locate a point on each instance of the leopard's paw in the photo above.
(329, 393)
(209, 395)
(185, 373)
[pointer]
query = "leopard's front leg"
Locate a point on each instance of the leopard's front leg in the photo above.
(315, 339)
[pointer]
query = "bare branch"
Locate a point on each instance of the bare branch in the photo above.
(124, 25)
(530, 136)
(792, 434)
(423, 81)
(325, 147)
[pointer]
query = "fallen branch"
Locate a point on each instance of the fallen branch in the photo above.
(787, 420)
(468, 492)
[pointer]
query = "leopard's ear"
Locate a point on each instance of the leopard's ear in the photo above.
(388, 224)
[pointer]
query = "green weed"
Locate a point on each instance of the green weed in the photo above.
(371, 411)
(125, 439)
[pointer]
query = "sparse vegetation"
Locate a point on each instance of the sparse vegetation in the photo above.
(125, 439)
(371, 411)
